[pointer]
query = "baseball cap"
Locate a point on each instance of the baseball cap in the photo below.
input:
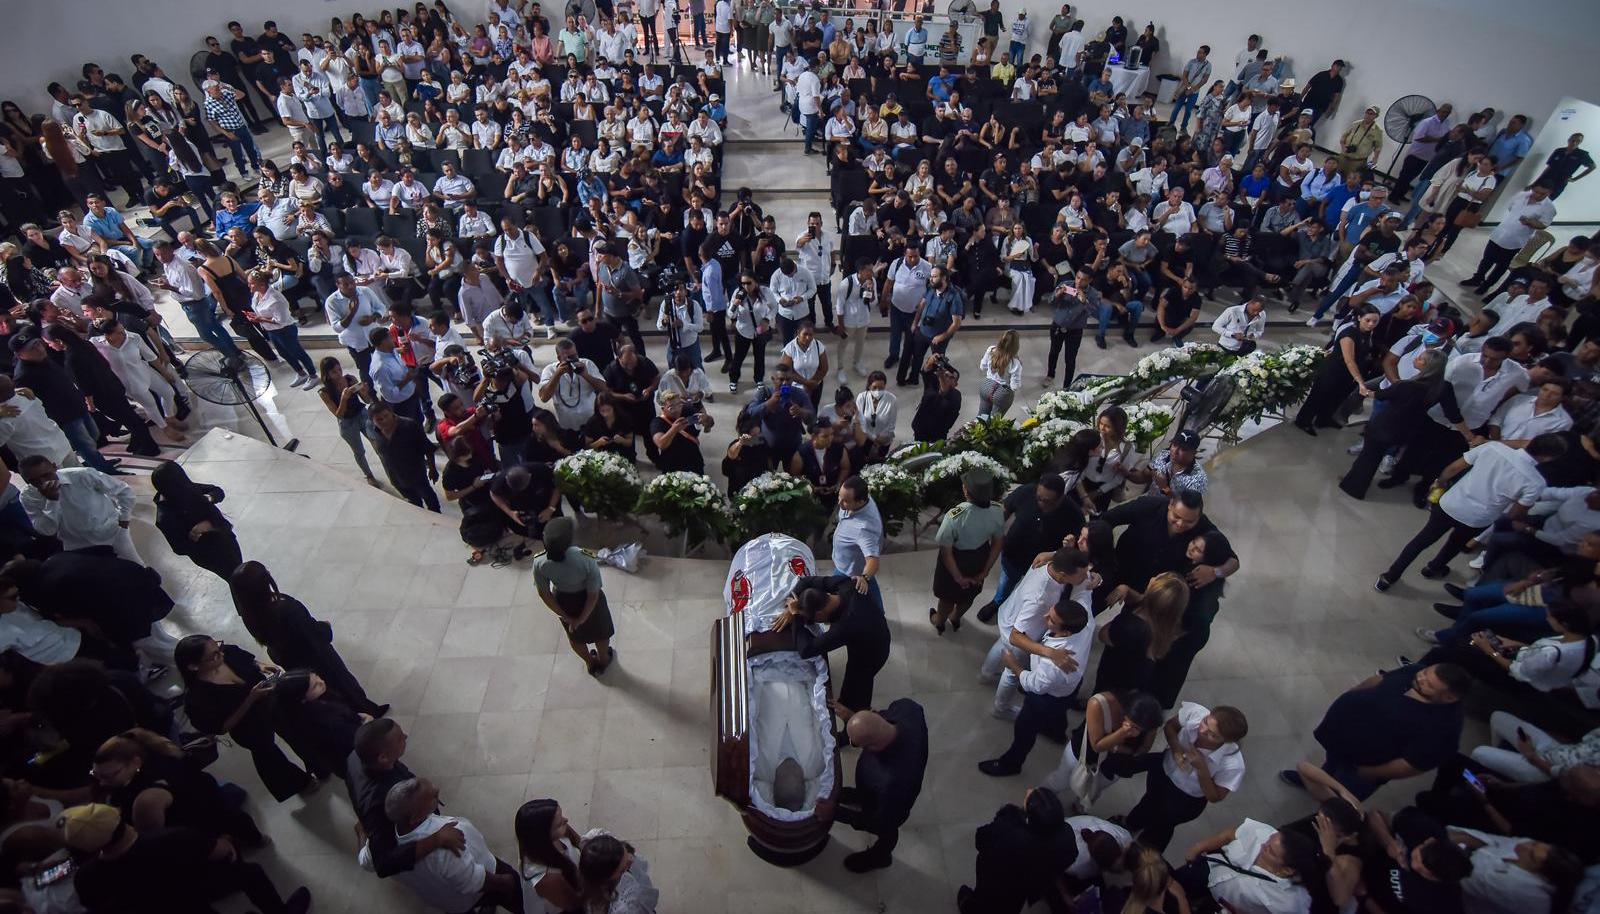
(89, 827)
(23, 340)
(1442, 326)
(1373, 108)
(1188, 439)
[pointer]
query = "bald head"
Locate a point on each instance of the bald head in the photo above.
(869, 731)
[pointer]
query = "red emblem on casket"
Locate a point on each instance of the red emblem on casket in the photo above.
(797, 564)
(739, 590)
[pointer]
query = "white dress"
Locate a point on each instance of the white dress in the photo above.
(146, 387)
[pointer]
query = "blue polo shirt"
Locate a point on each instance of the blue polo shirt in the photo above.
(940, 309)
(1337, 196)
(940, 86)
(108, 226)
(1508, 146)
(1361, 215)
(227, 220)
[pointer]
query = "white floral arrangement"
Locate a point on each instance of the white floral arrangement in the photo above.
(1046, 439)
(905, 452)
(688, 503)
(777, 502)
(1148, 420)
(941, 482)
(605, 483)
(1188, 361)
(898, 494)
(1266, 382)
(1076, 405)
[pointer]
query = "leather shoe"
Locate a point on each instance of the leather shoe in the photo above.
(866, 862)
(987, 612)
(1448, 610)
(1292, 778)
(997, 769)
(1435, 573)
(1457, 591)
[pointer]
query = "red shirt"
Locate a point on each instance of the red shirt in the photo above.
(474, 436)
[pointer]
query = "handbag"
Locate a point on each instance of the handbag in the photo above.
(1085, 781)
(1469, 218)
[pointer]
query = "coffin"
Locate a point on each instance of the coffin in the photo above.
(769, 705)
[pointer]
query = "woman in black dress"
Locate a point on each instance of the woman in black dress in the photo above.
(228, 691)
(1347, 368)
(466, 481)
(318, 722)
(610, 430)
(225, 280)
(1141, 634)
(1172, 669)
(156, 786)
(187, 515)
(855, 622)
(292, 637)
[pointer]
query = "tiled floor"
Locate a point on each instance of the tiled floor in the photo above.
(499, 711)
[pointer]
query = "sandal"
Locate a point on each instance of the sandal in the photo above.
(476, 558)
(594, 664)
(933, 614)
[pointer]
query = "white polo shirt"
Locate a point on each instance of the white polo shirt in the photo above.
(1254, 891)
(32, 432)
(1514, 311)
(1499, 477)
(1084, 866)
(1476, 395)
(1518, 420)
(1226, 761)
(521, 255)
(1512, 232)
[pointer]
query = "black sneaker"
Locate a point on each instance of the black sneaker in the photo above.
(890, 362)
(1403, 660)
(1435, 573)
(1457, 591)
(1131, 341)
(1292, 778)
(987, 612)
(1382, 584)
(997, 769)
(1448, 610)
(1100, 341)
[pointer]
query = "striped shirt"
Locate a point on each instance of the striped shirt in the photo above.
(224, 112)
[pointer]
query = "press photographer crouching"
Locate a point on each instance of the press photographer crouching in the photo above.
(941, 400)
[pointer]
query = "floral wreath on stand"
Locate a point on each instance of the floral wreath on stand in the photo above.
(689, 505)
(777, 502)
(941, 482)
(898, 495)
(605, 483)
(1045, 440)
(1269, 382)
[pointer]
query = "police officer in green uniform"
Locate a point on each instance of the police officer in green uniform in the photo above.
(568, 580)
(969, 540)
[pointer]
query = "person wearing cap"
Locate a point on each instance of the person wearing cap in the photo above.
(568, 581)
(1323, 91)
(1361, 142)
(1177, 469)
(165, 871)
(970, 539)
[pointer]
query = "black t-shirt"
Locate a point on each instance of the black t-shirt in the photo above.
(937, 412)
(405, 453)
(1033, 531)
(1398, 890)
(635, 382)
(893, 776)
(690, 239)
(162, 873)
(242, 48)
(680, 453)
(264, 74)
(226, 66)
(63, 401)
(1179, 306)
(1147, 548)
(950, 184)
(599, 344)
(1320, 90)
(1125, 663)
(457, 477)
(533, 499)
(1380, 724)
(727, 251)
(50, 255)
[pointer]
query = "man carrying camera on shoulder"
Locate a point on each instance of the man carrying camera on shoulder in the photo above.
(505, 397)
(571, 383)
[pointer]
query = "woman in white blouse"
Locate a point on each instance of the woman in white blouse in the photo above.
(1002, 376)
(1235, 120)
(877, 411)
(1475, 188)
(273, 314)
(808, 358)
(418, 134)
(920, 184)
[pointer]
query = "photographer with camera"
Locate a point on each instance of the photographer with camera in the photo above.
(751, 309)
(631, 381)
(940, 406)
(528, 496)
(785, 413)
(676, 434)
(510, 322)
(681, 317)
(622, 293)
(505, 397)
(570, 384)
(934, 322)
(467, 423)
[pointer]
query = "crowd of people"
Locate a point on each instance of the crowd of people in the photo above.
(455, 191)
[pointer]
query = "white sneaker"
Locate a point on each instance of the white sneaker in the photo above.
(859, 370)
(549, 331)
(843, 376)
(1353, 449)
(299, 379)
(1313, 321)
(1386, 467)
(1004, 713)
(1477, 560)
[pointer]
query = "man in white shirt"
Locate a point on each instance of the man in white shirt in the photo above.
(27, 430)
(447, 880)
(1201, 765)
(1526, 212)
(723, 15)
(1498, 480)
(1173, 215)
(1519, 309)
(794, 288)
(814, 251)
(453, 187)
(1047, 689)
(905, 287)
(1022, 624)
(80, 506)
(351, 310)
(570, 384)
(1528, 415)
(1240, 327)
(808, 102)
(1254, 868)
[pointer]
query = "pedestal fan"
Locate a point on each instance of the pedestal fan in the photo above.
(231, 381)
(1402, 119)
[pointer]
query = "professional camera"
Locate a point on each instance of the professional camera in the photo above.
(497, 361)
(463, 374)
(941, 365)
(671, 276)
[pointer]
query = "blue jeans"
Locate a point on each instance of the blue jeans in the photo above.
(81, 434)
(567, 303)
(202, 314)
(1017, 50)
(1339, 290)
(899, 326)
(243, 147)
(1188, 104)
(370, 88)
(1009, 578)
(287, 341)
(813, 123)
(692, 350)
(1135, 308)
(324, 126)
(143, 252)
(1485, 607)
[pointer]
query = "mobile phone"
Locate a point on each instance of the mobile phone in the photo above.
(1473, 782)
(54, 874)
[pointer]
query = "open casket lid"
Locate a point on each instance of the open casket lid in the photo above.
(761, 577)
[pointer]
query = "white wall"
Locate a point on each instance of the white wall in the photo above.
(1518, 57)
(1580, 202)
